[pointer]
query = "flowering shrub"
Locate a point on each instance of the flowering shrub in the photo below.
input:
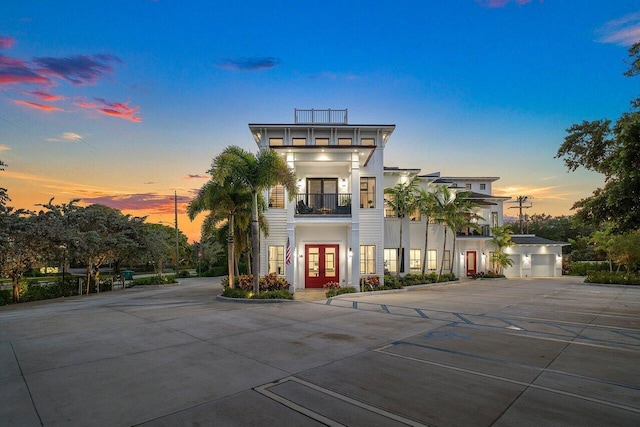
(370, 283)
(270, 282)
(331, 285)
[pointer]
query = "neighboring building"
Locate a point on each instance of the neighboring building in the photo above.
(337, 228)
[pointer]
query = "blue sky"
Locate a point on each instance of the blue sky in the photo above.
(125, 102)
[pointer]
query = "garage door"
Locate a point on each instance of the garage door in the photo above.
(542, 265)
(514, 270)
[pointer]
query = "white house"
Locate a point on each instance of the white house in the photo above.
(337, 228)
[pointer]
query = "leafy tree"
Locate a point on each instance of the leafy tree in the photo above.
(4, 196)
(402, 200)
(613, 151)
(257, 173)
(625, 250)
(20, 245)
(501, 238)
(159, 244)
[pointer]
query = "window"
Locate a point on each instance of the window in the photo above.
(299, 141)
(388, 211)
(414, 260)
(275, 142)
(322, 141)
(276, 259)
(494, 219)
(492, 262)
(367, 259)
(415, 215)
(368, 192)
(276, 197)
(447, 260)
(483, 186)
(344, 141)
(391, 260)
(368, 141)
(467, 186)
(432, 260)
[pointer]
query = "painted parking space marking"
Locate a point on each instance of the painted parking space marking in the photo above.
(265, 391)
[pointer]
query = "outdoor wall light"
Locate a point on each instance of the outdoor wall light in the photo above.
(350, 253)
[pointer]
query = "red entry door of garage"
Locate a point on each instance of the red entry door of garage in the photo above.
(321, 265)
(471, 263)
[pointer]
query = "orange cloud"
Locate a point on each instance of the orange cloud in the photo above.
(114, 109)
(42, 107)
(49, 97)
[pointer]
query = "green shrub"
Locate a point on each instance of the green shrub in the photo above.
(279, 294)
(333, 292)
(154, 280)
(270, 282)
(235, 293)
(6, 296)
(183, 274)
(580, 268)
(411, 280)
(618, 278)
(217, 271)
(448, 277)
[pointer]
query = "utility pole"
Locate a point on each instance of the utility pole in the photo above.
(521, 201)
(175, 203)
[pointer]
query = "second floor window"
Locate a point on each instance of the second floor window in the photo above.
(275, 142)
(276, 197)
(415, 215)
(299, 141)
(367, 192)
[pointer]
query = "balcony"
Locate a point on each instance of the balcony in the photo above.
(323, 204)
(470, 232)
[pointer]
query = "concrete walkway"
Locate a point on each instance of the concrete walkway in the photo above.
(476, 353)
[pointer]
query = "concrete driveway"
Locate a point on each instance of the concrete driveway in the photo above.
(476, 353)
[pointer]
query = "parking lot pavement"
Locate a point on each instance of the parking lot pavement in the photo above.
(476, 353)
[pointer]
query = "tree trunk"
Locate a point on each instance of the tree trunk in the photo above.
(230, 253)
(16, 289)
(444, 249)
(399, 254)
(88, 276)
(453, 254)
(255, 246)
(426, 249)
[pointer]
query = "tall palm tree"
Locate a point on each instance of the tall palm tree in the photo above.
(426, 204)
(256, 173)
(402, 199)
(463, 216)
(223, 201)
(443, 214)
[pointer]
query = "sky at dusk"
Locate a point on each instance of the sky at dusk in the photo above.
(124, 103)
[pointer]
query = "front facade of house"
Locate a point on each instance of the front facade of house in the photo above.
(337, 228)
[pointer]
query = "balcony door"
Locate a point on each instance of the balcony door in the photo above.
(322, 194)
(321, 265)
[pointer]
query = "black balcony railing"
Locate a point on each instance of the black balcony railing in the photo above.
(324, 117)
(484, 230)
(323, 204)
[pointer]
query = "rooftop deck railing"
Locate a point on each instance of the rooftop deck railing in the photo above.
(324, 117)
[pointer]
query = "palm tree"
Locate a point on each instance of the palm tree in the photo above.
(223, 201)
(402, 199)
(463, 216)
(501, 238)
(443, 214)
(256, 173)
(426, 204)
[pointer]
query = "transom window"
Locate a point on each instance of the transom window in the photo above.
(275, 142)
(368, 141)
(299, 141)
(344, 141)
(322, 141)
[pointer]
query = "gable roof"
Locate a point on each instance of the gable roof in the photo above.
(532, 239)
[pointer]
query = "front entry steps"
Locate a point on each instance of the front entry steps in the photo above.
(310, 294)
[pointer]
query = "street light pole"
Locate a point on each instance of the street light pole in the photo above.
(175, 199)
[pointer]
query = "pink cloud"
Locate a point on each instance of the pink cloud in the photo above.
(78, 70)
(49, 97)
(114, 109)
(624, 31)
(149, 202)
(6, 42)
(42, 107)
(14, 71)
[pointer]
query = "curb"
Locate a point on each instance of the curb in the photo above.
(253, 301)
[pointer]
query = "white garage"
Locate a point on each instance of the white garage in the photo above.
(543, 265)
(534, 256)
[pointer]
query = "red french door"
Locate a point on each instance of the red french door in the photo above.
(471, 263)
(321, 265)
